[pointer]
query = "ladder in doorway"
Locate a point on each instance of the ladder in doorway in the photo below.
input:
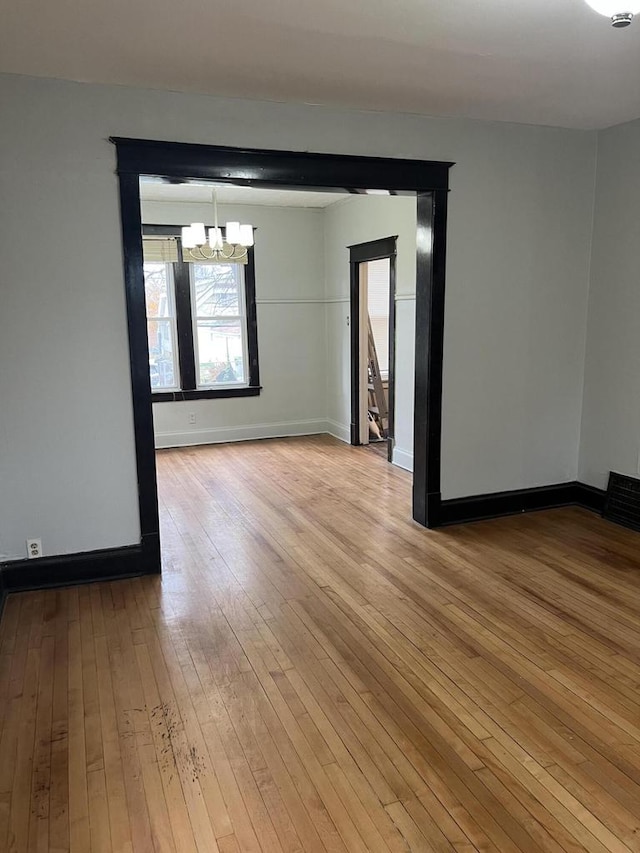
(378, 404)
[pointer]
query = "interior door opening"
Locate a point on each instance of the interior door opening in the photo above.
(373, 343)
(171, 162)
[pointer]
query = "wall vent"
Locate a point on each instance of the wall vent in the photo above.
(622, 503)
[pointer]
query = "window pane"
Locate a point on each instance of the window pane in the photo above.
(220, 352)
(156, 289)
(217, 289)
(161, 354)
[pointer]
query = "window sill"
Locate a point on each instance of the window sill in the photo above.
(204, 394)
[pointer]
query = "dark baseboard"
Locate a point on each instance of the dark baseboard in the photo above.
(85, 567)
(135, 560)
(479, 507)
(590, 497)
(3, 595)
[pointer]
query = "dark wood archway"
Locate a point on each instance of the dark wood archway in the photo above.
(428, 180)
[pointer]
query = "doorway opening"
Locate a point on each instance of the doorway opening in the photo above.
(373, 334)
(426, 181)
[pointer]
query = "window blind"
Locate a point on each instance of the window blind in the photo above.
(163, 250)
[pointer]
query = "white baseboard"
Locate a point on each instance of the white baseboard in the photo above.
(252, 432)
(249, 432)
(403, 459)
(339, 431)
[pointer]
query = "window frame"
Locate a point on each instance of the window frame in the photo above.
(172, 319)
(185, 323)
(240, 319)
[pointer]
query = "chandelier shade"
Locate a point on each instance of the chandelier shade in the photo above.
(232, 232)
(198, 233)
(246, 235)
(232, 246)
(215, 238)
(188, 238)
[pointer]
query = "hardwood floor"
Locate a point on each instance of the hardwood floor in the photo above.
(315, 672)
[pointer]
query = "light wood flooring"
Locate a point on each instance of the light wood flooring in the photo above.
(315, 672)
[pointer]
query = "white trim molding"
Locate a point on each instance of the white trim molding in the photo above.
(339, 431)
(403, 459)
(249, 432)
(291, 300)
(311, 300)
(253, 432)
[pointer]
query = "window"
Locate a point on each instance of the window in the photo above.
(201, 322)
(220, 325)
(161, 325)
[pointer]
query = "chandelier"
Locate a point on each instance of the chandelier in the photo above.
(621, 12)
(201, 246)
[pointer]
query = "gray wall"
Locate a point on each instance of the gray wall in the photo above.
(359, 220)
(519, 231)
(302, 295)
(610, 438)
(291, 330)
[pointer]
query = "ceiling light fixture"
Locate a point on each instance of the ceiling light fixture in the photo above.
(213, 246)
(621, 12)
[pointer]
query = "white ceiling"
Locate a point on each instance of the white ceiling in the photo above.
(551, 62)
(228, 194)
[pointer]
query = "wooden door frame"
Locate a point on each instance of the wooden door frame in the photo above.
(361, 253)
(428, 180)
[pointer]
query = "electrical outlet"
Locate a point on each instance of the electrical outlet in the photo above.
(34, 548)
(192, 417)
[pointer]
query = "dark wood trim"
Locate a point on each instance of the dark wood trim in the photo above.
(264, 168)
(103, 565)
(354, 326)
(590, 497)
(360, 253)
(150, 230)
(374, 250)
(184, 323)
(391, 394)
(477, 507)
(205, 394)
(139, 359)
(132, 561)
(496, 504)
(151, 554)
(252, 324)
(430, 286)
